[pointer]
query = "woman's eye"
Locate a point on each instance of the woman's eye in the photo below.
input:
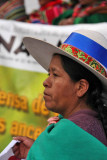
(55, 75)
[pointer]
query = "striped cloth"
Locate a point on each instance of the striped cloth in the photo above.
(13, 10)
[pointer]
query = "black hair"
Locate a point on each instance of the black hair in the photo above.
(95, 98)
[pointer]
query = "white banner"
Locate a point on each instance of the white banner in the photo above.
(12, 50)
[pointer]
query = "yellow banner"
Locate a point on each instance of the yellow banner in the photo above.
(22, 108)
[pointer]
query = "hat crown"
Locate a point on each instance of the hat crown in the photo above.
(84, 40)
(95, 36)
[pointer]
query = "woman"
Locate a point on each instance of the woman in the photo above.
(76, 89)
(86, 11)
(49, 9)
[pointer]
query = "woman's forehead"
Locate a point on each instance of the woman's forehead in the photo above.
(55, 63)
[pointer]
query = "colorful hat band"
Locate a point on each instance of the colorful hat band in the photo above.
(93, 49)
(84, 57)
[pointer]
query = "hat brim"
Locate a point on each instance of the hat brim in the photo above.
(42, 52)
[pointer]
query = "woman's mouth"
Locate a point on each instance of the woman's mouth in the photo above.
(46, 95)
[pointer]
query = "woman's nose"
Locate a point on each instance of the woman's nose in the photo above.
(47, 82)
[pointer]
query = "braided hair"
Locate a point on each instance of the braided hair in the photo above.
(95, 98)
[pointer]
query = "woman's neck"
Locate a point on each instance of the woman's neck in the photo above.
(80, 105)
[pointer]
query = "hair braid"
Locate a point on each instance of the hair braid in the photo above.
(103, 115)
(98, 101)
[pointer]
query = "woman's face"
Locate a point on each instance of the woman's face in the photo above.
(87, 2)
(43, 2)
(60, 90)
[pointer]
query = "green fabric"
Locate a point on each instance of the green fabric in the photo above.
(65, 15)
(94, 18)
(66, 141)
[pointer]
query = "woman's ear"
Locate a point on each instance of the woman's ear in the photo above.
(82, 87)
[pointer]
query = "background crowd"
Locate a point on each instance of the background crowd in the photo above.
(56, 12)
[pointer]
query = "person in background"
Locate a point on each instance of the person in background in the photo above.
(73, 2)
(76, 89)
(13, 10)
(49, 10)
(86, 11)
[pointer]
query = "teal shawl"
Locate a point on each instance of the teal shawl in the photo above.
(66, 141)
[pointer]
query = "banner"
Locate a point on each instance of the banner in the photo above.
(22, 108)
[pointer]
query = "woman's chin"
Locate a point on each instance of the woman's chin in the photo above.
(50, 107)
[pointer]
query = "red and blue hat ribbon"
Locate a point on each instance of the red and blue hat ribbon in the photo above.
(89, 46)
